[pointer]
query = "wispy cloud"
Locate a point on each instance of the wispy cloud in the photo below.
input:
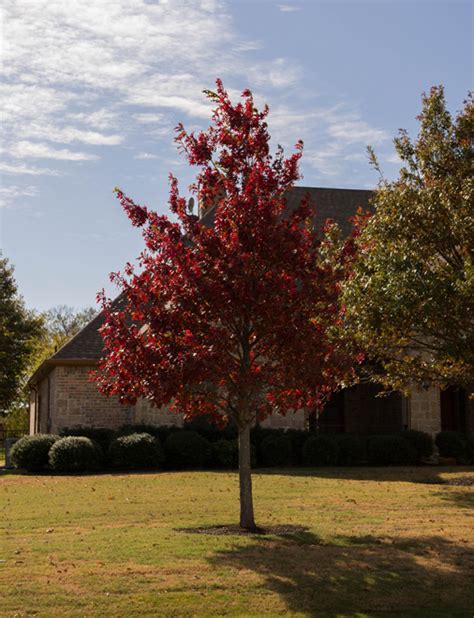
(332, 135)
(145, 155)
(81, 77)
(9, 194)
(36, 150)
(356, 131)
(149, 118)
(8, 168)
(289, 8)
(73, 70)
(392, 158)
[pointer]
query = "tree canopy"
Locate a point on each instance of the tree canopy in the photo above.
(19, 329)
(411, 299)
(220, 318)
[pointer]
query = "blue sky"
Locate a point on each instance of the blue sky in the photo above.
(92, 91)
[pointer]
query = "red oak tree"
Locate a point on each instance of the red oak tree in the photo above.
(219, 318)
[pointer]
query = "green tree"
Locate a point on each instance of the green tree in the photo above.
(60, 324)
(55, 328)
(19, 330)
(411, 299)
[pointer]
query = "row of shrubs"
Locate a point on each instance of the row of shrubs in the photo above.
(138, 447)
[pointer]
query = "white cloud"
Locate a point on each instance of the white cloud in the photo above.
(73, 69)
(10, 194)
(7, 168)
(332, 135)
(101, 73)
(35, 150)
(101, 119)
(66, 135)
(393, 158)
(145, 155)
(149, 118)
(278, 73)
(14, 191)
(356, 131)
(358, 157)
(288, 8)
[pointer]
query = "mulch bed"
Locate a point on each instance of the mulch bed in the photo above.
(461, 481)
(234, 529)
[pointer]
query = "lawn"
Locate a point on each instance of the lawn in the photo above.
(379, 542)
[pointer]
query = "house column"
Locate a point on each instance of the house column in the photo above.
(425, 409)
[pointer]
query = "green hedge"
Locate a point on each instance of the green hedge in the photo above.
(456, 445)
(276, 450)
(30, 453)
(131, 447)
(421, 441)
(75, 454)
(352, 450)
(320, 451)
(100, 435)
(390, 450)
(187, 450)
(225, 454)
(136, 451)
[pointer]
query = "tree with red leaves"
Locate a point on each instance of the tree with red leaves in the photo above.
(220, 319)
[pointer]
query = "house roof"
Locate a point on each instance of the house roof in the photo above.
(339, 204)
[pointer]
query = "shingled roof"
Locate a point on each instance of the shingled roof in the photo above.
(339, 204)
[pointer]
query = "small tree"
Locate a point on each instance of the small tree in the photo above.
(411, 300)
(219, 319)
(18, 331)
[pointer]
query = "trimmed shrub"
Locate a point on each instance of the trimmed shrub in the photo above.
(187, 449)
(75, 454)
(451, 444)
(100, 435)
(470, 449)
(390, 450)
(298, 437)
(225, 454)
(422, 442)
(30, 453)
(320, 451)
(206, 428)
(161, 432)
(259, 433)
(276, 450)
(352, 450)
(136, 451)
(128, 430)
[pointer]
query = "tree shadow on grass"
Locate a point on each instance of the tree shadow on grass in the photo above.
(430, 475)
(463, 499)
(422, 576)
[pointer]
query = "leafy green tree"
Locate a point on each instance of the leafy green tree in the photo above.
(60, 324)
(54, 328)
(411, 298)
(19, 329)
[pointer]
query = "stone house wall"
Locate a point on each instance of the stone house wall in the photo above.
(292, 420)
(425, 409)
(147, 414)
(67, 398)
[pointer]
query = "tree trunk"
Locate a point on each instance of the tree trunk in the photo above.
(246, 501)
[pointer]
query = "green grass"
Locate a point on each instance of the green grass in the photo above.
(379, 542)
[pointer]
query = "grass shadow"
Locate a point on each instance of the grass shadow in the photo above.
(430, 475)
(360, 575)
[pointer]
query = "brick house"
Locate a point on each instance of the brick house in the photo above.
(62, 394)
